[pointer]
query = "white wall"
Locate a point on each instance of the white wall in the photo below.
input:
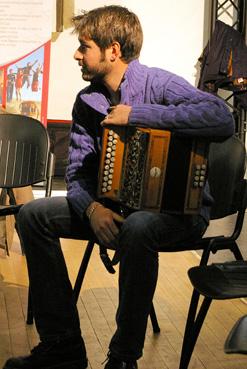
(173, 40)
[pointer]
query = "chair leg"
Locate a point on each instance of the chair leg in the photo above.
(29, 308)
(83, 268)
(236, 252)
(193, 327)
(105, 259)
(206, 254)
(154, 321)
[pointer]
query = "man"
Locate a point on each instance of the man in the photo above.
(11, 77)
(27, 73)
(121, 92)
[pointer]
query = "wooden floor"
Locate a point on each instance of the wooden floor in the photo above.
(97, 306)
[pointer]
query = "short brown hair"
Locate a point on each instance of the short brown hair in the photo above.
(111, 23)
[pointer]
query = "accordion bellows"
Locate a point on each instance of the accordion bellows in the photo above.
(154, 170)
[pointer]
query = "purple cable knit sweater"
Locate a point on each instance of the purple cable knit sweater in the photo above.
(159, 99)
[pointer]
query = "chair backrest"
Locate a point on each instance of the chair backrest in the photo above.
(227, 164)
(24, 151)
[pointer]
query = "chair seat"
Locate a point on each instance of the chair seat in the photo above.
(236, 342)
(221, 280)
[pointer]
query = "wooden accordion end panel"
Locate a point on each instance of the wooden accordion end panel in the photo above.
(150, 169)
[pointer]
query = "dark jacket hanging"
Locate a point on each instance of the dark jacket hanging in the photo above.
(224, 63)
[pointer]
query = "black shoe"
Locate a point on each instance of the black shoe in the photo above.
(114, 363)
(69, 354)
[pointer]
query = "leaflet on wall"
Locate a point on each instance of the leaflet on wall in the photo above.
(25, 37)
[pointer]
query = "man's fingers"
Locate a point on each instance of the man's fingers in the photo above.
(118, 218)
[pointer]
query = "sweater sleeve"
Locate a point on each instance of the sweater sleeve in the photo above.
(81, 173)
(182, 108)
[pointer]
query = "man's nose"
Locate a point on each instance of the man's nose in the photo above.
(78, 55)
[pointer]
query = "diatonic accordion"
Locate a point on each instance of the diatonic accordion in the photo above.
(154, 170)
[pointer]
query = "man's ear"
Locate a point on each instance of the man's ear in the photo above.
(115, 51)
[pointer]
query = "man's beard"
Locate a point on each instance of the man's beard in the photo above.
(92, 75)
(95, 74)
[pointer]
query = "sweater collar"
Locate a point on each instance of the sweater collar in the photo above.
(132, 84)
(97, 96)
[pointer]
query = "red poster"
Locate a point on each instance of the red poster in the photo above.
(25, 57)
(25, 84)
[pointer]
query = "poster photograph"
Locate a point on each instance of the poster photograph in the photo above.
(24, 84)
(25, 37)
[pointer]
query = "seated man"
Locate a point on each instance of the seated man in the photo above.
(121, 92)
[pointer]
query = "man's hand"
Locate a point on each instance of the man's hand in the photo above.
(103, 222)
(118, 115)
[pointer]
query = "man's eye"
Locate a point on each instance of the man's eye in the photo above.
(82, 47)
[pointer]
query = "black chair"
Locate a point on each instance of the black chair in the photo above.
(236, 342)
(226, 173)
(222, 280)
(25, 157)
(219, 281)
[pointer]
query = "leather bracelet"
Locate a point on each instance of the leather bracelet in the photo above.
(92, 210)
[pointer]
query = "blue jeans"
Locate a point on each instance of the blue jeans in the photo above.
(42, 222)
